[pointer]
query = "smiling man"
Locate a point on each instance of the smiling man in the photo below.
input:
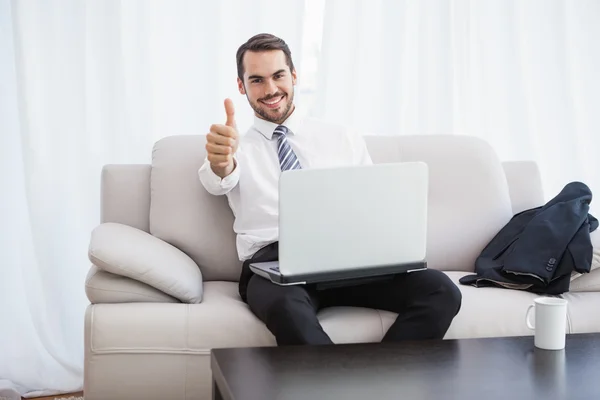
(247, 170)
(274, 107)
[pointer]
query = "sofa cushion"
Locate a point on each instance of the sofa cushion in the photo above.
(489, 311)
(582, 311)
(130, 252)
(469, 200)
(586, 282)
(485, 312)
(525, 185)
(223, 320)
(185, 215)
(355, 325)
(104, 287)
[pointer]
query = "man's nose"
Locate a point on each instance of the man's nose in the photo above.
(270, 88)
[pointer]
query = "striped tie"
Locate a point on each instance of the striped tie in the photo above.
(287, 157)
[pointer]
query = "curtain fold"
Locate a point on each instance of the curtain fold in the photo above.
(84, 84)
(522, 75)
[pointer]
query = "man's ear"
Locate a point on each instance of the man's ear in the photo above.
(241, 87)
(294, 77)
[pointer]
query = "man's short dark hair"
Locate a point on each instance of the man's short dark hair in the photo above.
(262, 42)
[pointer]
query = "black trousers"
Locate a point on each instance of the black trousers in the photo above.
(426, 303)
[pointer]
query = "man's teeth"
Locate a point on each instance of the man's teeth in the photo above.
(274, 101)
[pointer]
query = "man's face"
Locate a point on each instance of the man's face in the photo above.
(268, 84)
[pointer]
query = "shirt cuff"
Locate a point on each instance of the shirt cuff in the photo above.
(213, 183)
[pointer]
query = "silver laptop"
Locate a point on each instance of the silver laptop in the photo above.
(349, 223)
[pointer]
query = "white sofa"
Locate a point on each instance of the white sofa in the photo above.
(163, 284)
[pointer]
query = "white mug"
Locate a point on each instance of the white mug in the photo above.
(550, 322)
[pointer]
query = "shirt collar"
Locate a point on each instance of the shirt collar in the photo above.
(266, 128)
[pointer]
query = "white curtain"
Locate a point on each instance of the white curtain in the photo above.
(86, 83)
(522, 74)
(83, 84)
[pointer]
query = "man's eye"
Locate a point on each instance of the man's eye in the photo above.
(256, 81)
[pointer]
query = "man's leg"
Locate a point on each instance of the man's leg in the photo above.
(290, 312)
(426, 302)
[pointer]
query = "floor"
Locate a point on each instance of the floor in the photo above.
(62, 396)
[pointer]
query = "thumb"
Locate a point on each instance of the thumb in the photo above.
(230, 111)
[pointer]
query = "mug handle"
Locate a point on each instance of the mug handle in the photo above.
(532, 327)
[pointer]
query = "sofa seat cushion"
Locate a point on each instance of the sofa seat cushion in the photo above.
(582, 311)
(223, 320)
(489, 311)
(485, 312)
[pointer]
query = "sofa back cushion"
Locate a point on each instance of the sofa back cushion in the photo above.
(468, 200)
(185, 215)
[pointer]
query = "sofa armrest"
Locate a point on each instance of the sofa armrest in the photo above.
(524, 185)
(589, 282)
(130, 252)
(595, 239)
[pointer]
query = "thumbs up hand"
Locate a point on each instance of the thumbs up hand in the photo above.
(222, 142)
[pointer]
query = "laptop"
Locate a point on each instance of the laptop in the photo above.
(342, 224)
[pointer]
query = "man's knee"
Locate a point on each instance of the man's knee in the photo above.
(453, 296)
(447, 295)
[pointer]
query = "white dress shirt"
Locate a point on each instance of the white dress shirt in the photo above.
(253, 187)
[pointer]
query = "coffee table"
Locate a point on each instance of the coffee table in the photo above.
(495, 368)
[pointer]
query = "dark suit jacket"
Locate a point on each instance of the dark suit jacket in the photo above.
(539, 248)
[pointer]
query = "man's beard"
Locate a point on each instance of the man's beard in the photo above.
(264, 113)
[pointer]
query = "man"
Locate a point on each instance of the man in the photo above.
(247, 171)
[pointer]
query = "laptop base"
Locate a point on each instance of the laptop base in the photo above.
(270, 270)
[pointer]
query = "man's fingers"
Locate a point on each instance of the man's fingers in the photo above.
(223, 130)
(221, 143)
(230, 111)
(218, 149)
(216, 138)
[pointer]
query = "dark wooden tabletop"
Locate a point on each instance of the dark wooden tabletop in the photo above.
(489, 369)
